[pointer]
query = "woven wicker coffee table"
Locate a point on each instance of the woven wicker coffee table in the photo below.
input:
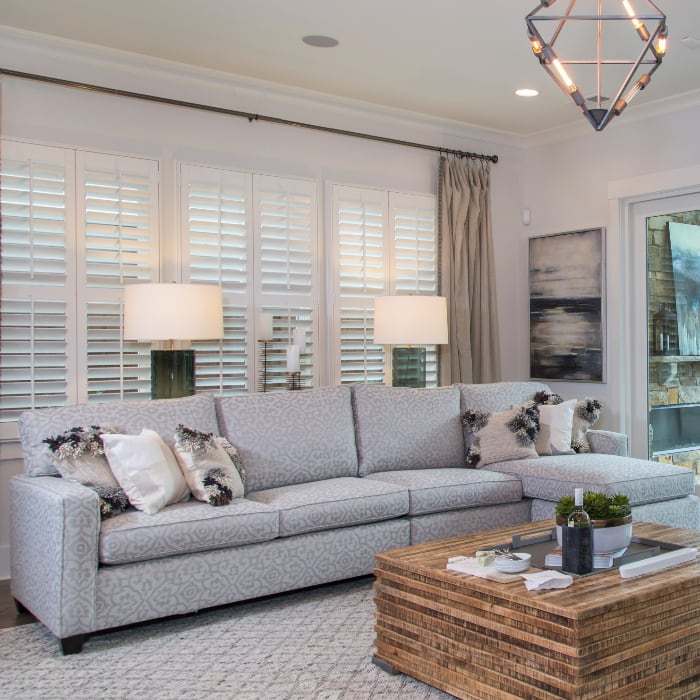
(603, 637)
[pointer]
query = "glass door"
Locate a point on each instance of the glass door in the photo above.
(673, 332)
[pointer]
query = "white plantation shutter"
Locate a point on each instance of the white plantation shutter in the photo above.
(286, 213)
(37, 306)
(117, 200)
(76, 226)
(255, 236)
(217, 249)
(362, 259)
(415, 256)
(385, 243)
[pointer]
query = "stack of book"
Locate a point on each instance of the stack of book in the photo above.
(602, 560)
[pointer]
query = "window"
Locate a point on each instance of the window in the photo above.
(75, 227)
(256, 236)
(385, 243)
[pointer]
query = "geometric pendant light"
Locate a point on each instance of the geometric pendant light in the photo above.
(599, 52)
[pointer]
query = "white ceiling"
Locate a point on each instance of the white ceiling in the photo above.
(455, 59)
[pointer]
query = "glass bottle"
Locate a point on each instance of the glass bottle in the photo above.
(577, 539)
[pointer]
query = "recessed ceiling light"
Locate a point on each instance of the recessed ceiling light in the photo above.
(320, 41)
(527, 92)
(691, 42)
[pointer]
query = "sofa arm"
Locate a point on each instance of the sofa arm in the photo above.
(607, 442)
(55, 527)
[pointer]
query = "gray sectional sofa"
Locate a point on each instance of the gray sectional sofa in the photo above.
(333, 475)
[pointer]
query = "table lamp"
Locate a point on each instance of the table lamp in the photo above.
(406, 322)
(170, 313)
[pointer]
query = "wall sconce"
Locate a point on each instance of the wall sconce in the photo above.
(405, 322)
(173, 312)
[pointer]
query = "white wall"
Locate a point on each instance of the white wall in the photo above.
(587, 180)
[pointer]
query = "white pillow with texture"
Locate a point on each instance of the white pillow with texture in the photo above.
(146, 469)
(499, 437)
(210, 465)
(556, 422)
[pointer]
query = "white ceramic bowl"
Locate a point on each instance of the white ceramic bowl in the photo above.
(506, 565)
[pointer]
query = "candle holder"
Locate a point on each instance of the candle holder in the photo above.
(262, 375)
(294, 381)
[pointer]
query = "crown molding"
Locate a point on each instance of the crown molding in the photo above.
(41, 54)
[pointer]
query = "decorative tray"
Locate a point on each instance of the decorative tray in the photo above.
(540, 543)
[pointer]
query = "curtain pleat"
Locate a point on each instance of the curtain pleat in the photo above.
(468, 272)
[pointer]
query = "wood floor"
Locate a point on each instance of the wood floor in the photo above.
(9, 617)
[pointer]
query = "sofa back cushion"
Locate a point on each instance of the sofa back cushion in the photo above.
(499, 396)
(404, 428)
(291, 438)
(130, 417)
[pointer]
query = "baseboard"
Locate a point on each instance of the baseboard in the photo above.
(5, 562)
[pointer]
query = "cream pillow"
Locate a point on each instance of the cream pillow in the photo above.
(146, 469)
(556, 422)
(210, 464)
(499, 437)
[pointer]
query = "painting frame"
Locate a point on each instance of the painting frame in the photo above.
(566, 295)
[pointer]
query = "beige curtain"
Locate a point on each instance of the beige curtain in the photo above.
(467, 272)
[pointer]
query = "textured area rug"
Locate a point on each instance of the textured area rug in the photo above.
(310, 644)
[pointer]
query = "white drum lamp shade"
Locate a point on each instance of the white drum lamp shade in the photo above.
(410, 321)
(173, 312)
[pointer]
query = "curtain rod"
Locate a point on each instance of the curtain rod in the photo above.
(251, 117)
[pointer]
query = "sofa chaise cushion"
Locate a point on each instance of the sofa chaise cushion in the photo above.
(291, 438)
(550, 478)
(405, 428)
(184, 528)
(323, 505)
(160, 415)
(439, 490)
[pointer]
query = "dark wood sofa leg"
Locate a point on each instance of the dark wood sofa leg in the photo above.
(72, 645)
(21, 610)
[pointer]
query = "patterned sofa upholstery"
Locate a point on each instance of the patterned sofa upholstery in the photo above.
(333, 476)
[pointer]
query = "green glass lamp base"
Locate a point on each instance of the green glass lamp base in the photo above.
(172, 373)
(408, 367)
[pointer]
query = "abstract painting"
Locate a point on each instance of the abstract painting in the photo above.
(685, 254)
(566, 279)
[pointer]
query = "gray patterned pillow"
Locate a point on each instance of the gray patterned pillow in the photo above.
(210, 464)
(78, 455)
(499, 437)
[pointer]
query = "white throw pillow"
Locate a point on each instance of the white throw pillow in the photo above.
(556, 423)
(146, 469)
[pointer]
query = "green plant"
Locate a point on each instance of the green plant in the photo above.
(597, 505)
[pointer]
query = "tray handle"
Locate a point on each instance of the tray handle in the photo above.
(534, 537)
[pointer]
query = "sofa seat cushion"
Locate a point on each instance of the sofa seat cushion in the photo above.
(183, 528)
(643, 481)
(323, 505)
(291, 438)
(130, 417)
(437, 490)
(405, 428)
